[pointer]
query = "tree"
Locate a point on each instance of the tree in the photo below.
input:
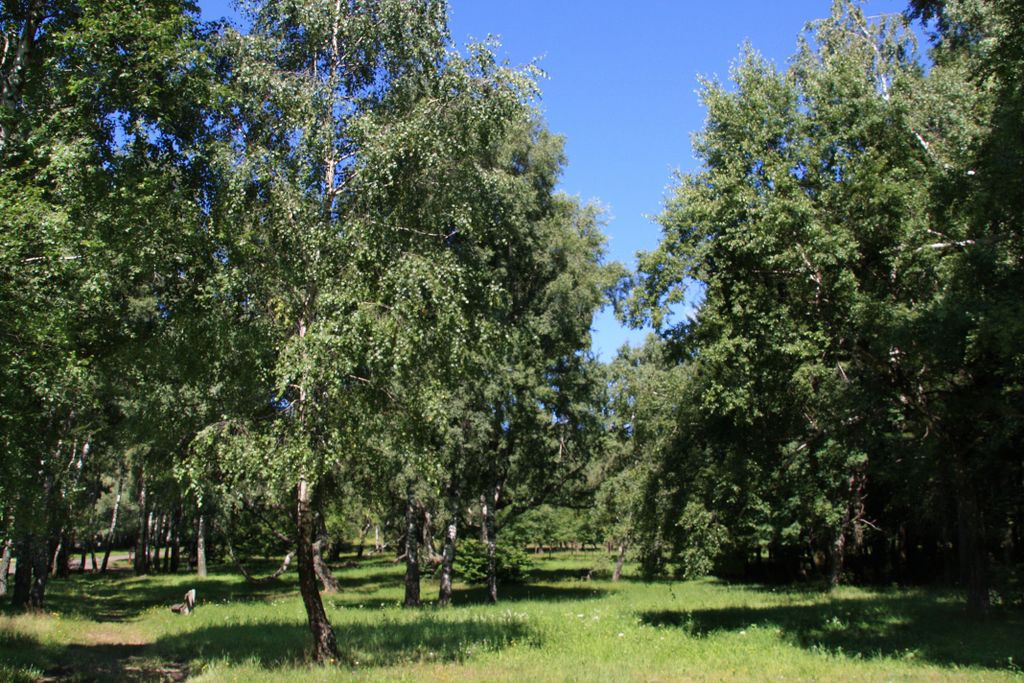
(802, 230)
(367, 201)
(98, 181)
(961, 344)
(856, 268)
(544, 397)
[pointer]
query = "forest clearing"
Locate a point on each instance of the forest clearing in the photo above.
(308, 279)
(558, 626)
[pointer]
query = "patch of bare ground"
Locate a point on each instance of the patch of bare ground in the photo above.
(113, 655)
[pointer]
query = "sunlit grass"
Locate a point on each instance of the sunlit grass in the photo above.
(557, 627)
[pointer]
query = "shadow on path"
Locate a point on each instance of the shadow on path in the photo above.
(112, 662)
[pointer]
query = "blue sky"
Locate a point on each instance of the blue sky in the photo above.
(621, 87)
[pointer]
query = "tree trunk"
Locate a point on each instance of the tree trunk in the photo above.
(201, 545)
(156, 541)
(248, 575)
(167, 537)
(325, 646)
(175, 564)
(836, 551)
(60, 563)
(323, 570)
(142, 542)
(362, 542)
(483, 519)
(113, 524)
(972, 551)
(619, 561)
(491, 543)
(40, 560)
(23, 572)
(5, 566)
(444, 597)
(12, 81)
(412, 563)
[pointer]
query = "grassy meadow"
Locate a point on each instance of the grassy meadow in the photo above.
(557, 627)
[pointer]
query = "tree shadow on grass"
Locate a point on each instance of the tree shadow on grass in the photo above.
(526, 591)
(387, 643)
(113, 662)
(21, 651)
(119, 596)
(369, 582)
(925, 628)
(25, 656)
(562, 574)
(465, 595)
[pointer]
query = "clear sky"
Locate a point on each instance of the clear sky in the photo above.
(621, 87)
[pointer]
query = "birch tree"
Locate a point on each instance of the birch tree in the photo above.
(368, 200)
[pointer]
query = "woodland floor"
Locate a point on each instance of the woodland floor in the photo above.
(556, 627)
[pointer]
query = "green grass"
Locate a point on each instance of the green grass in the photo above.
(555, 628)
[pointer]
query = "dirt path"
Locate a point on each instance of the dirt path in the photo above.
(113, 655)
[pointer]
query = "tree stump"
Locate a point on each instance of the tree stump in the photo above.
(187, 606)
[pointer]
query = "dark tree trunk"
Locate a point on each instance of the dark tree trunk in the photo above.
(444, 597)
(360, 547)
(201, 545)
(619, 561)
(972, 551)
(23, 572)
(412, 563)
(491, 543)
(60, 563)
(40, 560)
(901, 559)
(323, 570)
(850, 524)
(142, 542)
(325, 647)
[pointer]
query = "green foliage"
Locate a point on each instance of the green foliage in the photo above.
(703, 538)
(849, 262)
(546, 525)
(513, 562)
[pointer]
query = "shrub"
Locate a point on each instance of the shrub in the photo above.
(471, 562)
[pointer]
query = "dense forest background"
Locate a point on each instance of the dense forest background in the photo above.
(284, 292)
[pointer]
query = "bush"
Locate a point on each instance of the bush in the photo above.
(471, 562)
